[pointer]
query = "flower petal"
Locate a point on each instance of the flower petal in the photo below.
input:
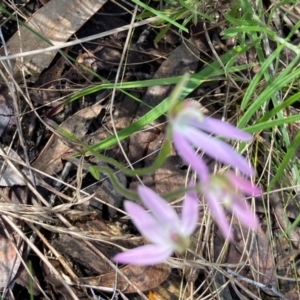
(220, 128)
(160, 209)
(146, 223)
(243, 185)
(190, 213)
(219, 215)
(218, 150)
(144, 255)
(244, 214)
(188, 155)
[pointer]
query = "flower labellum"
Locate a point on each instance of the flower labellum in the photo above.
(190, 129)
(224, 191)
(162, 227)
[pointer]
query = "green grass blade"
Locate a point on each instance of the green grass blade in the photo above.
(272, 123)
(159, 14)
(286, 159)
(255, 80)
(268, 92)
(294, 98)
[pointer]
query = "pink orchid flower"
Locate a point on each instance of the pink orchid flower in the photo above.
(190, 129)
(225, 191)
(162, 227)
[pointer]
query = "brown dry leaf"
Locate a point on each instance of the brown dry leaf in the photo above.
(169, 176)
(276, 201)
(55, 285)
(286, 260)
(44, 90)
(259, 251)
(80, 253)
(124, 112)
(251, 246)
(49, 160)
(293, 294)
(9, 261)
(23, 278)
(56, 21)
(143, 277)
(167, 290)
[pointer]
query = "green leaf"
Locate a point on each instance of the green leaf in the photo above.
(94, 172)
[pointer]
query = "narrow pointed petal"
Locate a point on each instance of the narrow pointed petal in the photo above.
(218, 150)
(244, 185)
(186, 151)
(162, 211)
(144, 255)
(146, 223)
(219, 215)
(220, 128)
(244, 214)
(190, 213)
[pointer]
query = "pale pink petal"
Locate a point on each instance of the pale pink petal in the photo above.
(219, 215)
(160, 209)
(190, 213)
(244, 214)
(220, 128)
(218, 150)
(144, 255)
(243, 185)
(146, 223)
(187, 153)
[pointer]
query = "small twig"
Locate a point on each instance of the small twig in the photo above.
(11, 86)
(57, 185)
(262, 286)
(115, 88)
(40, 255)
(80, 41)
